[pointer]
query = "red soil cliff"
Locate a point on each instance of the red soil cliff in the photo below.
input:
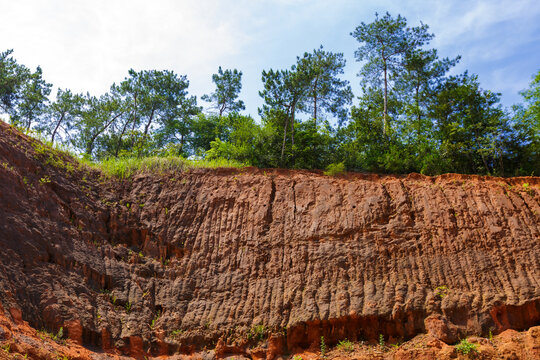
(242, 259)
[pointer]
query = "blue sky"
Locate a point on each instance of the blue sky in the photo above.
(88, 45)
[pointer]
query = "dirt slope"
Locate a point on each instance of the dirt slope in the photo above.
(262, 260)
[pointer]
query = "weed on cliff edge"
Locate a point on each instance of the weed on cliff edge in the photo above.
(126, 167)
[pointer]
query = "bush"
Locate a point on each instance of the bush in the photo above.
(345, 345)
(335, 169)
(466, 348)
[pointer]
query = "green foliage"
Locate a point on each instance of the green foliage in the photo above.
(228, 86)
(325, 90)
(128, 306)
(297, 357)
(257, 332)
(177, 332)
(382, 344)
(411, 116)
(466, 348)
(385, 44)
(335, 169)
(45, 180)
(323, 347)
(153, 323)
(124, 168)
(345, 345)
(58, 337)
(441, 291)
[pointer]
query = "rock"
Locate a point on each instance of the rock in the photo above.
(438, 327)
(74, 331)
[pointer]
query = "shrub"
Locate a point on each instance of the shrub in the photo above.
(345, 345)
(466, 348)
(323, 347)
(257, 332)
(335, 169)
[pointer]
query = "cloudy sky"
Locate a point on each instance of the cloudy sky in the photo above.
(88, 45)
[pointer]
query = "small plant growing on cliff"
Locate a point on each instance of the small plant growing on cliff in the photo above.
(59, 335)
(128, 307)
(465, 347)
(153, 324)
(381, 341)
(323, 347)
(345, 345)
(335, 169)
(45, 180)
(441, 291)
(257, 332)
(177, 332)
(297, 357)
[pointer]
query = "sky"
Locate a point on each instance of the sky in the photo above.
(88, 45)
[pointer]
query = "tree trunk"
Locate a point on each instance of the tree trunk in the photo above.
(315, 101)
(284, 137)
(222, 109)
(56, 127)
(134, 122)
(120, 139)
(146, 128)
(385, 111)
(90, 143)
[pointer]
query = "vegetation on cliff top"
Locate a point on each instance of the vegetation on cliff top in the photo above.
(412, 116)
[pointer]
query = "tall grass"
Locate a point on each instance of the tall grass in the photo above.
(123, 168)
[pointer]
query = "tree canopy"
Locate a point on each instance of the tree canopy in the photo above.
(411, 115)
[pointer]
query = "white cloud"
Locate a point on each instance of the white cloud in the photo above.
(87, 45)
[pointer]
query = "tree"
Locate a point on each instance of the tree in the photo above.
(385, 43)
(153, 100)
(325, 89)
(469, 123)
(283, 93)
(97, 116)
(63, 112)
(228, 87)
(12, 77)
(31, 100)
(422, 72)
(523, 142)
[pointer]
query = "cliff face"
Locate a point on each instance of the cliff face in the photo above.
(175, 262)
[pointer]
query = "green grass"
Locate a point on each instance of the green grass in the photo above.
(466, 348)
(58, 155)
(124, 168)
(345, 345)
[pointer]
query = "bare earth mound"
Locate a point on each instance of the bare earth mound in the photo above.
(261, 263)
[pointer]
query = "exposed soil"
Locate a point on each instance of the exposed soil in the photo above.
(261, 263)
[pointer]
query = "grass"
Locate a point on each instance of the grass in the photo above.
(124, 168)
(345, 345)
(257, 332)
(58, 155)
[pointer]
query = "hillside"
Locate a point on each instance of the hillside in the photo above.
(259, 263)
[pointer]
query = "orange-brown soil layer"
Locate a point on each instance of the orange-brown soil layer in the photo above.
(261, 262)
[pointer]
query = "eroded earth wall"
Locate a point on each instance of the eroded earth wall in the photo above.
(177, 261)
